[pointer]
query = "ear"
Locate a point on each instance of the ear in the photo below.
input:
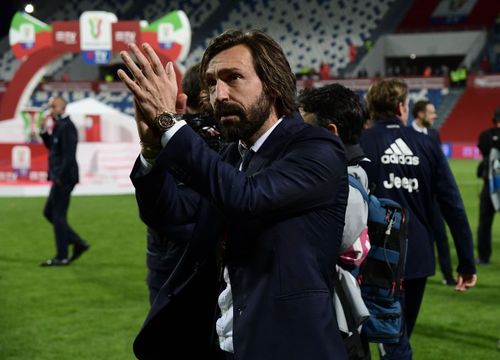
(400, 109)
(332, 128)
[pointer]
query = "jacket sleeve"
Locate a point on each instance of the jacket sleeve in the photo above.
(312, 167)
(162, 201)
(47, 139)
(452, 208)
(69, 140)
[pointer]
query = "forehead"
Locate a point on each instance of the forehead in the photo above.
(55, 101)
(429, 107)
(236, 57)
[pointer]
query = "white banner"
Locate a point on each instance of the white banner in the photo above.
(96, 38)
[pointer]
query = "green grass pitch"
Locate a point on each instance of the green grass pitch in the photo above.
(93, 308)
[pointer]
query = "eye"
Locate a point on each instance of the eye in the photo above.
(235, 77)
(211, 83)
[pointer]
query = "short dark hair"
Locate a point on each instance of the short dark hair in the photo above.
(384, 96)
(270, 64)
(191, 86)
(335, 104)
(419, 106)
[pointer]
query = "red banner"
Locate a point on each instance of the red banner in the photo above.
(66, 35)
(23, 164)
(125, 32)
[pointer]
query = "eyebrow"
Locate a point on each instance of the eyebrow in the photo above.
(222, 72)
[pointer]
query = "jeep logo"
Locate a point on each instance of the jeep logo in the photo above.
(410, 184)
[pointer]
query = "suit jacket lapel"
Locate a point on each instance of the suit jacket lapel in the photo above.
(276, 140)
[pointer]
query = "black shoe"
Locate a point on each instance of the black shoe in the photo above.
(55, 262)
(78, 250)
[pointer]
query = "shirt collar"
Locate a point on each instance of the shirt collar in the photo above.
(422, 130)
(257, 144)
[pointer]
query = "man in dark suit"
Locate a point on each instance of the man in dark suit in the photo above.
(488, 139)
(424, 116)
(268, 225)
(63, 171)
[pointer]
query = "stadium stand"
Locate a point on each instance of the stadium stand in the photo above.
(472, 113)
(310, 32)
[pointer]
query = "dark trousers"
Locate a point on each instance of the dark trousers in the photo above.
(56, 209)
(414, 293)
(486, 215)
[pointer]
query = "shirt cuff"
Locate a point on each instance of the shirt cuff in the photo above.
(167, 135)
(147, 165)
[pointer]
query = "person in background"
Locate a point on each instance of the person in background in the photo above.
(424, 116)
(411, 169)
(488, 139)
(63, 171)
(338, 110)
(164, 250)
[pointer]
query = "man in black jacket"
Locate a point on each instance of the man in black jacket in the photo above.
(487, 140)
(424, 115)
(411, 169)
(63, 171)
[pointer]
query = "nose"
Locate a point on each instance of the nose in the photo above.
(221, 91)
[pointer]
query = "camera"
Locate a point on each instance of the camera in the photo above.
(205, 125)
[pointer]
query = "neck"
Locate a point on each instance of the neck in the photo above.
(419, 123)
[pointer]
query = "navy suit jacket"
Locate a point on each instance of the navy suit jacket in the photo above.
(62, 151)
(282, 221)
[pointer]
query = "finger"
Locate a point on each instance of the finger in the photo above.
(132, 66)
(131, 84)
(459, 285)
(169, 69)
(143, 61)
(472, 282)
(181, 103)
(154, 60)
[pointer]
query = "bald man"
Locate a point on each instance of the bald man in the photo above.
(63, 171)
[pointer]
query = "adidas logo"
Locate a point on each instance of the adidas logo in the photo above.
(399, 153)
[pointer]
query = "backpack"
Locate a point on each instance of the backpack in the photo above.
(494, 177)
(380, 276)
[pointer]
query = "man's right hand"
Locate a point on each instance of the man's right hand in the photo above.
(465, 281)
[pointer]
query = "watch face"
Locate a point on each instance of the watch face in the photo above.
(165, 121)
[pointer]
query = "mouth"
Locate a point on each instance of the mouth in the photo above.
(229, 118)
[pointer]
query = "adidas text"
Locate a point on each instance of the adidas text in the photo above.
(400, 159)
(410, 184)
(399, 153)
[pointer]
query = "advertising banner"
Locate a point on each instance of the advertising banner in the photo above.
(27, 35)
(66, 35)
(170, 35)
(96, 36)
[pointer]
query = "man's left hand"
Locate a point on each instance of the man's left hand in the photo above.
(154, 87)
